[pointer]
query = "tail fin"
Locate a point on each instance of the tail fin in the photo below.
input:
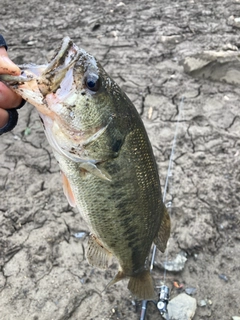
(141, 286)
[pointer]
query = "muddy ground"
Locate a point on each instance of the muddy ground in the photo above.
(43, 271)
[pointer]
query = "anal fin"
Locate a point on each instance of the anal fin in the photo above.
(97, 255)
(163, 232)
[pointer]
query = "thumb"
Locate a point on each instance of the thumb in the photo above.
(6, 65)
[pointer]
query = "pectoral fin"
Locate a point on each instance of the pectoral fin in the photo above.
(164, 232)
(94, 170)
(68, 191)
(97, 255)
(96, 135)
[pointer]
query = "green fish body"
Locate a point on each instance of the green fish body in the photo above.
(103, 150)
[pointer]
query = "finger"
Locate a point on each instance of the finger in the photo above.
(6, 65)
(4, 117)
(8, 98)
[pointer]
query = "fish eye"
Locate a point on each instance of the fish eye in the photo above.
(92, 82)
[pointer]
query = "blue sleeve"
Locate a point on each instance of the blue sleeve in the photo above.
(3, 42)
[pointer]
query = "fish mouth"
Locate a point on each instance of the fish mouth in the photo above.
(64, 58)
(63, 61)
(36, 82)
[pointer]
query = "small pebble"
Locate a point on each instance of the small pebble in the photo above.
(176, 264)
(202, 303)
(79, 235)
(190, 291)
(27, 131)
(223, 277)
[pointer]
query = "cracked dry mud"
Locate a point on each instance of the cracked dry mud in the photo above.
(43, 271)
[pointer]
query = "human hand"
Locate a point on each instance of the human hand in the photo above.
(9, 100)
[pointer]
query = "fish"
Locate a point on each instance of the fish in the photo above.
(109, 171)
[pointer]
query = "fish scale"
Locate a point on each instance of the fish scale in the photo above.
(108, 167)
(127, 194)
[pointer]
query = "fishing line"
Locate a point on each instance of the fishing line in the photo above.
(169, 174)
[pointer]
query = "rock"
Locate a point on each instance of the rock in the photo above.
(210, 302)
(182, 307)
(190, 290)
(80, 234)
(220, 66)
(223, 277)
(202, 303)
(176, 38)
(234, 21)
(177, 264)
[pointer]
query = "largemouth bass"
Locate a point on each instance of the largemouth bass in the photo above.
(108, 167)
